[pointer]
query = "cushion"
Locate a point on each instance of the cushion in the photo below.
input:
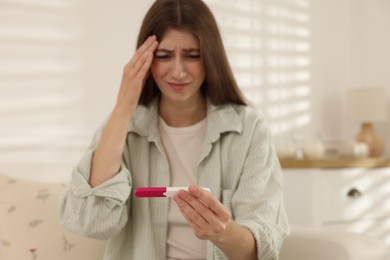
(29, 227)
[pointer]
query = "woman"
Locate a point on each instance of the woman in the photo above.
(180, 120)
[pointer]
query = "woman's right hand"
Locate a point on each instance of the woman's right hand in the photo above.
(106, 160)
(134, 76)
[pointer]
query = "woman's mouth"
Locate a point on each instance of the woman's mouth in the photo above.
(178, 86)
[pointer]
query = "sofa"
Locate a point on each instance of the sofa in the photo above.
(319, 244)
(29, 229)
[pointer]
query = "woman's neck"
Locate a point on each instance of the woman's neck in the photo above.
(182, 114)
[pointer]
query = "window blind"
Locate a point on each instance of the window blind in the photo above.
(268, 46)
(42, 61)
(40, 81)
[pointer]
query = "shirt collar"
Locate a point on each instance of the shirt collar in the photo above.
(220, 119)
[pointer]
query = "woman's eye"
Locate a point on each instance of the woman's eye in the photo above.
(193, 57)
(188, 56)
(162, 57)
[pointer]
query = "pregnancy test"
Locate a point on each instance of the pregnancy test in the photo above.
(159, 192)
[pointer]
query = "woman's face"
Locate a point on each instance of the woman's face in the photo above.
(177, 67)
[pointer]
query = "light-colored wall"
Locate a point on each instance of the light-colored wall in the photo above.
(374, 65)
(109, 31)
(110, 40)
(350, 42)
(330, 53)
(350, 48)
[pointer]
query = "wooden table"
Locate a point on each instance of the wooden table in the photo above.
(335, 162)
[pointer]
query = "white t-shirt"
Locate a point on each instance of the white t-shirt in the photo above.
(183, 147)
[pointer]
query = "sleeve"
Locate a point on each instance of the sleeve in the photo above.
(99, 212)
(257, 203)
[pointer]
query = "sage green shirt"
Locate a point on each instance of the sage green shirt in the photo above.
(238, 163)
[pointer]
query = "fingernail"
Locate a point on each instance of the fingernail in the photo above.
(192, 188)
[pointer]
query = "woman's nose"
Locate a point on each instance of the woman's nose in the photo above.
(179, 70)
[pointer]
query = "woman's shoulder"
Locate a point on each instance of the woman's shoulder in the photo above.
(240, 117)
(247, 113)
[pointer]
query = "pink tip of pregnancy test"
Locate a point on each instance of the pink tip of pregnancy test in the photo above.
(150, 192)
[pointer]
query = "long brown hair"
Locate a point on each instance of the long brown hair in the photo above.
(195, 17)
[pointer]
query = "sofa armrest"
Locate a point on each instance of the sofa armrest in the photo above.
(320, 244)
(29, 226)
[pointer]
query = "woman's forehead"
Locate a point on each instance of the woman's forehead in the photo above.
(173, 39)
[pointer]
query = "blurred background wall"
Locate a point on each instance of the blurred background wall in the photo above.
(61, 64)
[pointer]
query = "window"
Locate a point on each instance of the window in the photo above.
(268, 46)
(42, 62)
(40, 81)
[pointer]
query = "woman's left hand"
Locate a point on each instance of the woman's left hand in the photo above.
(207, 216)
